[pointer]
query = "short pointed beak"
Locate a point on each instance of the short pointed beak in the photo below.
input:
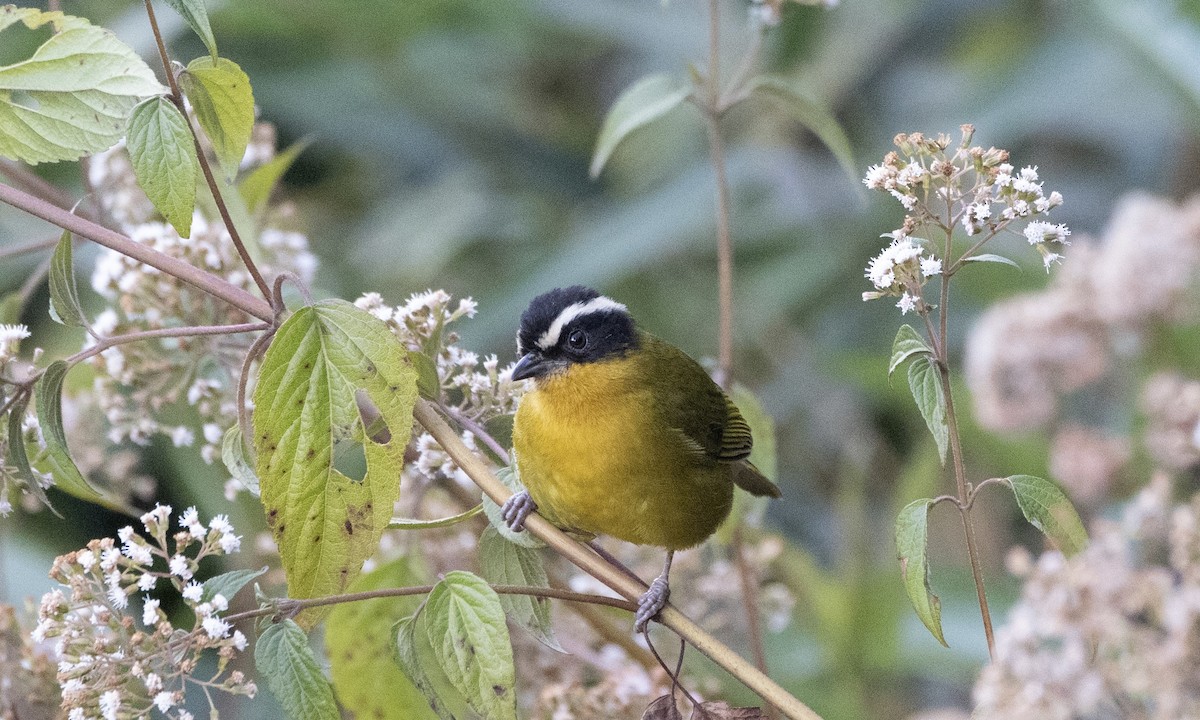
(530, 365)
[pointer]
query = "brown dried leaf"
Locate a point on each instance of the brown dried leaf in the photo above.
(722, 711)
(663, 708)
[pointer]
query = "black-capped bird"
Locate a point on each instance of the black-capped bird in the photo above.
(623, 434)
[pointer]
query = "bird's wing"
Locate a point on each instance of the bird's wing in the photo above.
(695, 408)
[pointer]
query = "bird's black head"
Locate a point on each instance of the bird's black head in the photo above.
(571, 325)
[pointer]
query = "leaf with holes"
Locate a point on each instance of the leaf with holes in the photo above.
(908, 342)
(504, 563)
(359, 642)
(71, 97)
(639, 105)
(912, 545)
(1048, 509)
(223, 101)
(284, 658)
(163, 155)
(326, 524)
(64, 294)
(926, 389)
(464, 622)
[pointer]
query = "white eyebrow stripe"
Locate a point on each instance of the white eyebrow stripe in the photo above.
(600, 304)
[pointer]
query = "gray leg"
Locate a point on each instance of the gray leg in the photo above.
(655, 599)
(516, 509)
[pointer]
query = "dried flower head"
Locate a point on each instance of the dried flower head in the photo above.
(1112, 632)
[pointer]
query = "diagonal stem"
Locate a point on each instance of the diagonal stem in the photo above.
(177, 99)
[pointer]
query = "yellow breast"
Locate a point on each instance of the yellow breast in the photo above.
(595, 457)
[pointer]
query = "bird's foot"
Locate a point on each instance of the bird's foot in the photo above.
(516, 509)
(651, 603)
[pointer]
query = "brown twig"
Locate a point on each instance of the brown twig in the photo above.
(749, 587)
(210, 179)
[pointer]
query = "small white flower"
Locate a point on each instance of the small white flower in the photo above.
(219, 603)
(230, 543)
(179, 566)
(215, 627)
(1038, 232)
(12, 333)
(931, 266)
(150, 612)
(147, 582)
(164, 701)
(907, 302)
(87, 560)
(213, 433)
(110, 703)
(239, 640)
(193, 591)
(153, 682)
(76, 714)
(182, 436)
(190, 520)
(878, 177)
(158, 516)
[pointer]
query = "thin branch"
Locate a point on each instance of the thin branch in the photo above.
(478, 431)
(290, 606)
(27, 248)
(207, 282)
(711, 106)
(22, 176)
(474, 466)
(749, 586)
(174, 332)
(177, 99)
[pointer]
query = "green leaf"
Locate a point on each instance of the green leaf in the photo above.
(283, 657)
(989, 258)
(908, 342)
(163, 154)
(464, 622)
(223, 101)
(926, 388)
(71, 97)
(11, 307)
(233, 454)
(504, 563)
(428, 383)
(49, 410)
(415, 658)
(64, 295)
(255, 188)
(196, 15)
(17, 455)
(227, 584)
(1048, 509)
(810, 114)
(912, 545)
(508, 476)
(326, 524)
(358, 638)
(639, 105)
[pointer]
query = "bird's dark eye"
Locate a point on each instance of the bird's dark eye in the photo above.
(577, 340)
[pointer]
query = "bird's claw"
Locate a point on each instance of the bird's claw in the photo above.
(651, 603)
(516, 509)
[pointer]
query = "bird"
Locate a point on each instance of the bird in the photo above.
(622, 434)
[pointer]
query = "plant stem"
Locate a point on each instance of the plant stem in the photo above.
(174, 332)
(207, 282)
(749, 587)
(177, 99)
(960, 473)
(546, 592)
(712, 109)
(27, 248)
(429, 417)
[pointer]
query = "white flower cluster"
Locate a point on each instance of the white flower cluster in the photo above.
(136, 381)
(475, 388)
(108, 666)
(1112, 632)
(943, 188)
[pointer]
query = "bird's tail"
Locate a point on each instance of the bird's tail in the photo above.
(750, 479)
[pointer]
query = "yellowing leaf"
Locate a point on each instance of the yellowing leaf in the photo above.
(912, 545)
(71, 97)
(224, 104)
(322, 359)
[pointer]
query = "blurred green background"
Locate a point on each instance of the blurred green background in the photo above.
(449, 148)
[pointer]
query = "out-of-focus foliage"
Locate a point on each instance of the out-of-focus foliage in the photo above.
(450, 145)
